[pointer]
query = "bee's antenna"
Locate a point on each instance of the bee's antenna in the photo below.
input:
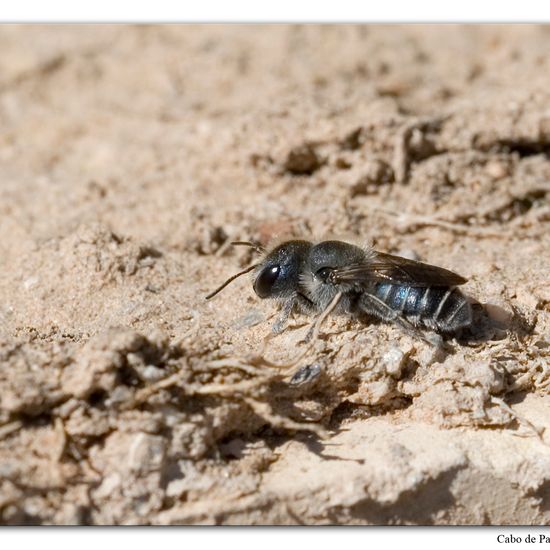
(220, 288)
(256, 246)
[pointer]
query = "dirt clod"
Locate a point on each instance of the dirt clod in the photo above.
(302, 160)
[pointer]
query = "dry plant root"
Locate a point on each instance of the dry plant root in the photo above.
(411, 220)
(240, 390)
(264, 411)
(9, 428)
(538, 432)
(195, 389)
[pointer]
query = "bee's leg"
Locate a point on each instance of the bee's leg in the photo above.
(316, 326)
(282, 320)
(298, 302)
(279, 325)
(371, 304)
(313, 331)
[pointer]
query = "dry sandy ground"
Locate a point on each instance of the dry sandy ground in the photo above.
(131, 156)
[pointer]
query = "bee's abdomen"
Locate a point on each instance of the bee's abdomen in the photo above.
(444, 308)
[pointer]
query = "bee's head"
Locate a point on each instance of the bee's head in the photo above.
(278, 275)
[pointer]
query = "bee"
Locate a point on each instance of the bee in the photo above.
(338, 276)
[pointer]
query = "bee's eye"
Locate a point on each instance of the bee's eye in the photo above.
(265, 280)
(324, 273)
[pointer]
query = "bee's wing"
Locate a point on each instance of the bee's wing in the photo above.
(386, 267)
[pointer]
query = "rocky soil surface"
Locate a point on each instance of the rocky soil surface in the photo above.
(130, 158)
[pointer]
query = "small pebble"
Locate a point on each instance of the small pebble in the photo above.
(30, 282)
(496, 170)
(302, 160)
(394, 360)
(305, 374)
(152, 373)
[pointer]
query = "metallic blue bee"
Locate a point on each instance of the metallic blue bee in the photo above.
(314, 277)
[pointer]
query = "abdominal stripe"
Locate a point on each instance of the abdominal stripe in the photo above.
(439, 309)
(426, 302)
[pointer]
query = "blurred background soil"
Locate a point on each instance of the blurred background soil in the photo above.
(130, 156)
